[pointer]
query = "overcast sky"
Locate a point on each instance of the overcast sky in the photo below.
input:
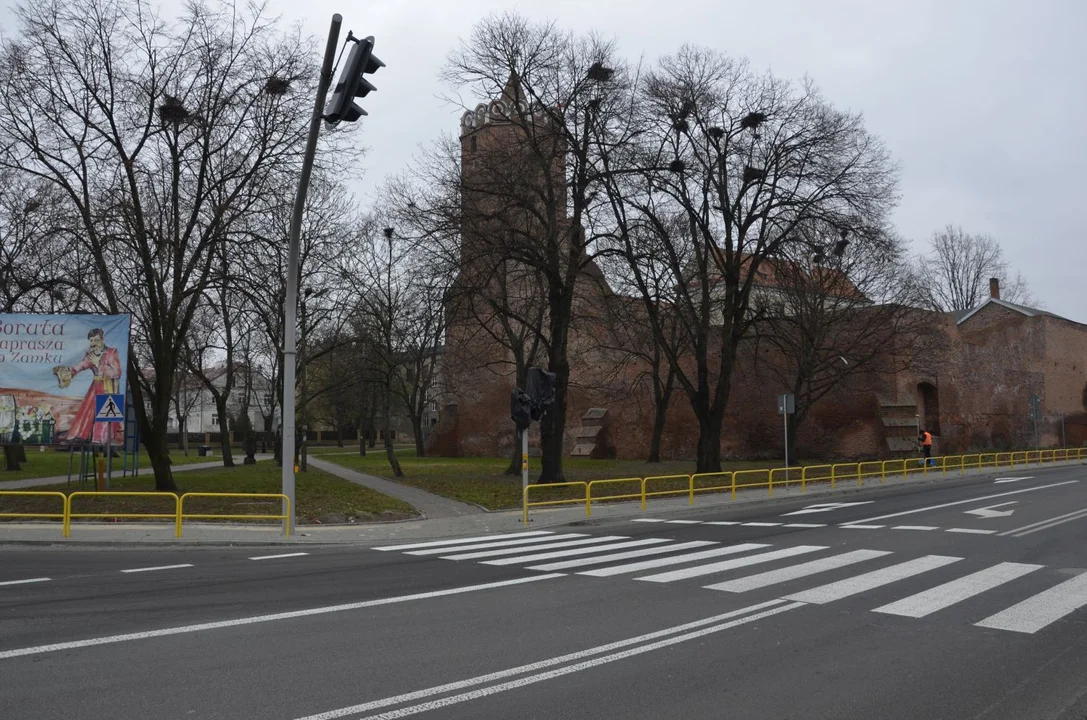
(982, 101)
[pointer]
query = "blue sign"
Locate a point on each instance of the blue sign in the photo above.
(109, 408)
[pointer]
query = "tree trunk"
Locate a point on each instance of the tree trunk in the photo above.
(515, 456)
(153, 432)
(417, 428)
(709, 441)
(553, 427)
(224, 431)
(339, 435)
(371, 427)
(663, 396)
(659, 416)
(390, 453)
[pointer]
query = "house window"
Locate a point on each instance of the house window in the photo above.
(215, 419)
(268, 399)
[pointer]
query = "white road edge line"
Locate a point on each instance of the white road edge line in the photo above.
(862, 527)
(960, 502)
(971, 531)
(915, 527)
(761, 524)
(273, 557)
(160, 567)
(805, 525)
(290, 615)
(1053, 524)
(24, 582)
(760, 611)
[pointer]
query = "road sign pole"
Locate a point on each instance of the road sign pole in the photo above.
(785, 422)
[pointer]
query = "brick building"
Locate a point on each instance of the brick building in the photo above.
(973, 392)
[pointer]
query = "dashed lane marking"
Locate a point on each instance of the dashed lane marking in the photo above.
(25, 582)
(274, 557)
(160, 567)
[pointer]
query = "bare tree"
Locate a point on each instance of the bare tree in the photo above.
(741, 159)
(832, 309)
(161, 136)
(957, 270)
(527, 186)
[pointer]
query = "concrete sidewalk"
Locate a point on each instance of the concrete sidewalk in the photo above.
(450, 526)
(58, 479)
(430, 505)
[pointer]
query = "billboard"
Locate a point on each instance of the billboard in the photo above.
(52, 368)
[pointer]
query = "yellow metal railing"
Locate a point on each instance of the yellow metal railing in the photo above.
(564, 501)
(770, 478)
(68, 514)
(285, 516)
(35, 493)
(176, 514)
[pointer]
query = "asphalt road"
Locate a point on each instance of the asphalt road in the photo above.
(961, 600)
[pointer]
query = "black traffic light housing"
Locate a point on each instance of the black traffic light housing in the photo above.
(520, 409)
(541, 390)
(361, 61)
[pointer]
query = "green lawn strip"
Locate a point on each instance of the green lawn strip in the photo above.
(322, 497)
(51, 463)
(480, 480)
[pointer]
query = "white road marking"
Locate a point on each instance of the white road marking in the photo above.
(915, 527)
(826, 507)
(1046, 607)
(600, 559)
(963, 502)
(971, 531)
(964, 588)
(990, 512)
(24, 582)
(461, 541)
(674, 560)
(761, 524)
(871, 580)
(805, 525)
(1046, 524)
(1012, 479)
(863, 527)
(548, 546)
(773, 577)
(160, 567)
(706, 628)
(218, 625)
(700, 570)
(683, 522)
(273, 557)
(498, 544)
(576, 551)
(724, 522)
(657, 520)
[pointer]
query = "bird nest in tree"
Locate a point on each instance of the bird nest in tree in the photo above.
(172, 111)
(277, 86)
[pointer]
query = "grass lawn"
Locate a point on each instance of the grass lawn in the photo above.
(52, 463)
(321, 497)
(480, 480)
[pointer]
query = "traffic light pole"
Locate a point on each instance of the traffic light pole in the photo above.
(290, 304)
(524, 461)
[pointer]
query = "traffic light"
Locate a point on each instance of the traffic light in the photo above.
(360, 62)
(541, 389)
(520, 408)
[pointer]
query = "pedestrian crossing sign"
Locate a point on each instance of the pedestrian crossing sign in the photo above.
(109, 408)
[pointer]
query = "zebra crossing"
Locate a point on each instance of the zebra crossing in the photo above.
(736, 569)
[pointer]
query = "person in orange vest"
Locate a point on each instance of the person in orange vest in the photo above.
(926, 445)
